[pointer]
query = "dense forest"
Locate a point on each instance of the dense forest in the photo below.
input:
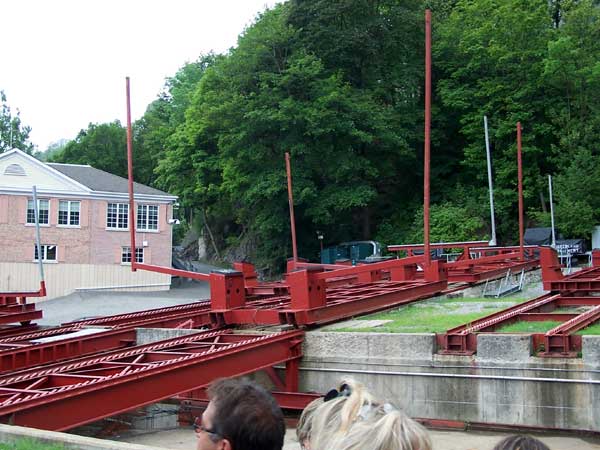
(340, 84)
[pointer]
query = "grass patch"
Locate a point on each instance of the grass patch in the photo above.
(30, 444)
(529, 327)
(435, 315)
(444, 301)
(420, 319)
(591, 330)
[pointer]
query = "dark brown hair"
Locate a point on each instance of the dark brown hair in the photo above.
(520, 442)
(246, 415)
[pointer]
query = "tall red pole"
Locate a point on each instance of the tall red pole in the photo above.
(291, 202)
(130, 176)
(520, 176)
(426, 170)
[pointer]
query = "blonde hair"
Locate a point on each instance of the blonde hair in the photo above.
(354, 420)
(391, 430)
(304, 427)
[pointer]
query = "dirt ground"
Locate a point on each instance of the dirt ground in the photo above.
(447, 440)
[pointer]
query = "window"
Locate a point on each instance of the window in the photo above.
(48, 252)
(126, 255)
(117, 216)
(68, 212)
(43, 208)
(15, 169)
(147, 217)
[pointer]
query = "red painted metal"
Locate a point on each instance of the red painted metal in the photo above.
(291, 203)
(135, 317)
(341, 302)
(20, 355)
(132, 212)
(551, 268)
(198, 398)
(586, 280)
(426, 158)
(559, 341)
(520, 176)
(464, 245)
(18, 312)
(175, 272)
(66, 395)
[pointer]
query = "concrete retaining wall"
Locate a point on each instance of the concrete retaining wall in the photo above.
(503, 384)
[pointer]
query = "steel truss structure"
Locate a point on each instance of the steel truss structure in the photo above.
(570, 303)
(15, 309)
(62, 396)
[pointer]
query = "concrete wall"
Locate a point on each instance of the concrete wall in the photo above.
(62, 279)
(503, 384)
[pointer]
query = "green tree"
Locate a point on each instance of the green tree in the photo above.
(164, 115)
(491, 55)
(13, 133)
(103, 146)
(269, 96)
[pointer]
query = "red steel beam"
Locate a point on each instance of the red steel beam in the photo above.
(22, 356)
(82, 392)
(427, 150)
(127, 318)
(520, 181)
(558, 340)
(286, 400)
(291, 204)
(465, 245)
(23, 313)
(341, 303)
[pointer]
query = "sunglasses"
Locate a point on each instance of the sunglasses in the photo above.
(198, 427)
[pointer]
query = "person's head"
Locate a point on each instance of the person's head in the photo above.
(383, 428)
(304, 427)
(520, 442)
(350, 418)
(241, 415)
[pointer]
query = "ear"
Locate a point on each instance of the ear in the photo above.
(225, 445)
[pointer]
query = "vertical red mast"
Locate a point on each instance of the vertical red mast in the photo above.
(520, 176)
(291, 203)
(426, 170)
(130, 177)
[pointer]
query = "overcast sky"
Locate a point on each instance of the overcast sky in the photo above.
(63, 62)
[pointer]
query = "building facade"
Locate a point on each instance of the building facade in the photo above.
(84, 222)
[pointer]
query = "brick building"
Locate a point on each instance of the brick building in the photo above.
(84, 228)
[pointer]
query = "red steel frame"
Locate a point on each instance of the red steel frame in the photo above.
(572, 291)
(14, 307)
(21, 354)
(81, 391)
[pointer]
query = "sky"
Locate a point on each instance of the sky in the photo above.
(63, 62)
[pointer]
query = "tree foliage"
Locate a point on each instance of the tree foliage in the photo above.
(13, 133)
(339, 85)
(102, 146)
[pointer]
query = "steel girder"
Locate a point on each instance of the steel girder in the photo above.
(141, 316)
(24, 313)
(559, 341)
(63, 396)
(44, 348)
(339, 303)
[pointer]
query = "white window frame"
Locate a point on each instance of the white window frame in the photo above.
(143, 222)
(126, 255)
(45, 248)
(70, 208)
(27, 216)
(119, 207)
